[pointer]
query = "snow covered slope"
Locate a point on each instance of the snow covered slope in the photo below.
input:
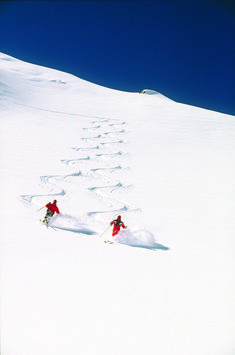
(165, 286)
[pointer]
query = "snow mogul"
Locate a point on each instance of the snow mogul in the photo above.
(51, 210)
(117, 224)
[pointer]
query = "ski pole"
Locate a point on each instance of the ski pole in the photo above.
(104, 231)
(40, 209)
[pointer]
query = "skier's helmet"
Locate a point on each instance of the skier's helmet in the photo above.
(55, 201)
(119, 217)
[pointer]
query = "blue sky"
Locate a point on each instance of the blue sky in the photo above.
(183, 49)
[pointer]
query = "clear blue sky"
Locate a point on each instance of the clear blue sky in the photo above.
(183, 49)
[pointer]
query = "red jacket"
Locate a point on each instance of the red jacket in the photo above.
(52, 207)
(117, 224)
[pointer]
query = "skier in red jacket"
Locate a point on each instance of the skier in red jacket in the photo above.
(117, 224)
(51, 209)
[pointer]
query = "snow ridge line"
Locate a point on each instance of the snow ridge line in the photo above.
(59, 112)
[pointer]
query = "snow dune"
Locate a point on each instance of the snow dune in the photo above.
(164, 285)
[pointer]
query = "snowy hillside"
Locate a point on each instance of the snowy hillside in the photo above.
(165, 286)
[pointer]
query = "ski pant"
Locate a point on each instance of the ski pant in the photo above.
(116, 229)
(48, 215)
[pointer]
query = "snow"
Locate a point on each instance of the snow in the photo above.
(149, 92)
(165, 286)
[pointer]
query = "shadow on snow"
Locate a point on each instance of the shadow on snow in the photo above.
(139, 239)
(70, 224)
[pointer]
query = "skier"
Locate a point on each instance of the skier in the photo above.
(117, 224)
(51, 209)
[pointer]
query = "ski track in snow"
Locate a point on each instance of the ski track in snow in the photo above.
(109, 144)
(100, 160)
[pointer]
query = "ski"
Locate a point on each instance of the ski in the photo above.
(52, 228)
(47, 225)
